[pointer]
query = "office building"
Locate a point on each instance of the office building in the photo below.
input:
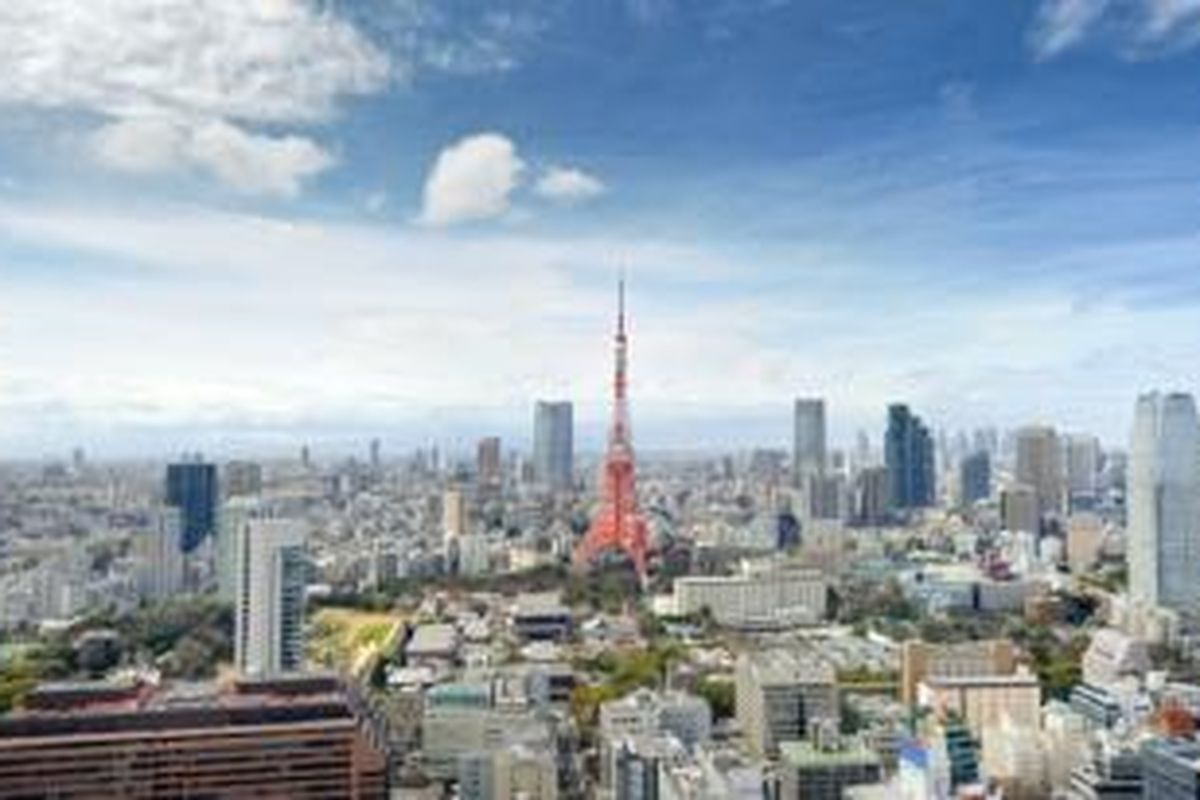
(269, 611)
(554, 445)
(920, 660)
(809, 772)
(1163, 539)
(160, 562)
(1085, 542)
(1039, 466)
(242, 479)
(192, 488)
(975, 478)
(908, 452)
(1019, 509)
(754, 596)
(808, 452)
(1170, 769)
(1083, 470)
(489, 462)
(783, 696)
(872, 496)
(284, 737)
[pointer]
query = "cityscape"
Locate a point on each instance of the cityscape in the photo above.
(626, 433)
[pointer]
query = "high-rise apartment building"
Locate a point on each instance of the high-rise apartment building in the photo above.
(192, 488)
(1164, 503)
(1039, 465)
(908, 450)
(975, 478)
(553, 445)
(269, 615)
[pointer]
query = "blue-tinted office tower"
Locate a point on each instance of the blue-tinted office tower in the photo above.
(975, 477)
(192, 488)
(908, 449)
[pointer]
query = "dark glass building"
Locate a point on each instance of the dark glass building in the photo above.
(975, 474)
(908, 450)
(192, 488)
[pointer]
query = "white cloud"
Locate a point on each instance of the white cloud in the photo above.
(257, 164)
(247, 162)
(568, 185)
(1137, 29)
(472, 179)
(249, 60)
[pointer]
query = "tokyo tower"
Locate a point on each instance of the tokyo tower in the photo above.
(618, 525)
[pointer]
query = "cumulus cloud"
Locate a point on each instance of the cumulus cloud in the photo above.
(182, 84)
(247, 162)
(568, 185)
(472, 179)
(1135, 28)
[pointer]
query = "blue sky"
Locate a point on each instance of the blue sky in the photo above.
(230, 224)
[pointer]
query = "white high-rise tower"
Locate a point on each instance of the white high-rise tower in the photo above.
(1164, 506)
(271, 575)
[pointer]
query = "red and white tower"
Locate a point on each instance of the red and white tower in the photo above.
(618, 525)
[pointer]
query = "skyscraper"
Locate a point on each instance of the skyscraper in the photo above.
(1083, 470)
(553, 444)
(269, 613)
(1039, 465)
(192, 488)
(488, 461)
(1164, 502)
(908, 451)
(808, 451)
(975, 477)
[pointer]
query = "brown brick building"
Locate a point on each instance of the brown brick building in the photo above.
(294, 737)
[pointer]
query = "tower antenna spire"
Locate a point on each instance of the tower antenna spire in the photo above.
(621, 303)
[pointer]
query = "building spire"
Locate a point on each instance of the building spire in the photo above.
(621, 304)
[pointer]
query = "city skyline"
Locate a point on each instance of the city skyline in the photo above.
(412, 232)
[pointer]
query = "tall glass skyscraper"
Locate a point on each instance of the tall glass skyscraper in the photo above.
(908, 450)
(553, 444)
(192, 488)
(1164, 502)
(808, 452)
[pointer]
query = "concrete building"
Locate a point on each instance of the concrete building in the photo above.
(754, 596)
(808, 772)
(285, 737)
(983, 701)
(454, 514)
(1039, 465)
(646, 713)
(1083, 470)
(554, 445)
(1112, 656)
(871, 496)
(241, 479)
(489, 462)
(1085, 541)
(160, 569)
(1163, 539)
(920, 660)
(783, 696)
(272, 569)
(1019, 509)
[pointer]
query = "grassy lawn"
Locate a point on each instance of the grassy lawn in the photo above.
(345, 639)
